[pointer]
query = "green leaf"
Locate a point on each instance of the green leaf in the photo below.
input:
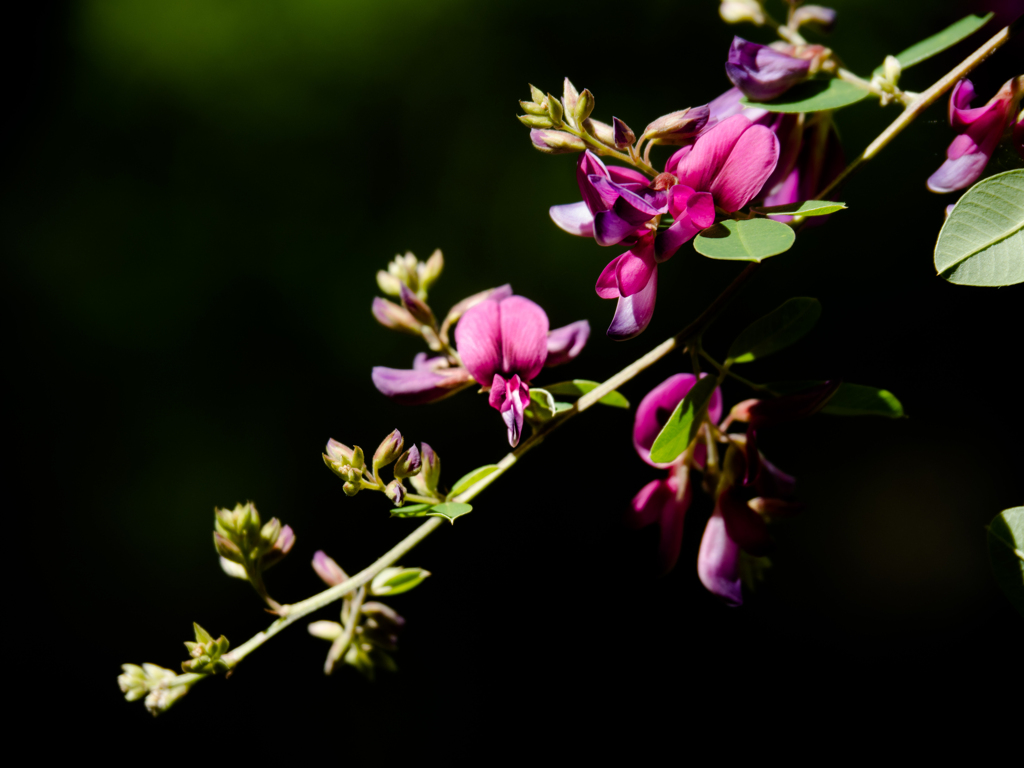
(776, 330)
(449, 510)
(813, 96)
(579, 387)
(542, 406)
(939, 42)
(805, 208)
(1006, 553)
(849, 399)
(682, 425)
(745, 240)
(411, 510)
(982, 242)
(395, 581)
(472, 477)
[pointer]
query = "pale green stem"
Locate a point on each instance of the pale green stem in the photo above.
(603, 149)
(339, 646)
(919, 105)
(729, 372)
(904, 97)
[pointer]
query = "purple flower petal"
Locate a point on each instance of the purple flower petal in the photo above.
(328, 570)
(692, 211)
(634, 313)
(656, 407)
(415, 387)
(588, 165)
(565, 343)
(673, 514)
(607, 287)
(761, 72)
(957, 174)
(524, 337)
(622, 175)
(635, 267)
(424, 363)
(647, 505)
(746, 169)
(478, 340)
(511, 398)
(611, 229)
(574, 218)
(718, 562)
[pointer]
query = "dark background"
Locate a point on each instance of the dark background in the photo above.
(197, 196)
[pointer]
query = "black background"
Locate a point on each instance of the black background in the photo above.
(196, 201)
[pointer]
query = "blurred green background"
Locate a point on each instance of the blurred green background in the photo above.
(197, 197)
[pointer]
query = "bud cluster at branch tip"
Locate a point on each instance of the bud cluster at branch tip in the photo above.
(247, 547)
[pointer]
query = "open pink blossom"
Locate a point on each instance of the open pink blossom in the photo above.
(979, 129)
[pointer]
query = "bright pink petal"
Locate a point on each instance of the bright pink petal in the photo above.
(478, 340)
(635, 267)
(634, 313)
(590, 164)
(565, 343)
(511, 398)
(574, 218)
(415, 387)
(718, 562)
(673, 513)
(622, 175)
(524, 337)
(746, 169)
(699, 167)
(607, 287)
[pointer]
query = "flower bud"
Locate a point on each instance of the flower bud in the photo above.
(358, 461)
(554, 110)
(326, 630)
(206, 653)
(741, 411)
(532, 108)
(430, 270)
(233, 569)
(600, 131)
(389, 450)
(792, 407)
(738, 11)
(282, 546)
(151, 681)
(537, 95)
(394, 581)
(570, 96)
(893, 70)
(678, 126)
(270, 532)
(388, 283)
(813, 14)
(408, 464)
(328, 570)
(417, 307)
(772, 508)
(761, 72)
(396, 492)
(556, 142)
(227, 548)
(351, 489)
(622, 134)
(338, 452)
(431, 462)
(535, 121)
(392, 316)
(584, 106)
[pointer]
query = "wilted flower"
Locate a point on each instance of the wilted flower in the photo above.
(979, 129)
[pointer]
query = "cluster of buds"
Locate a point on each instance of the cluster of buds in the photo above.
(753, 12)
(421, 466)
(887, 80)
(368, 631)
(158, 684)
(206, 653)
(247, 547)
(418, 276)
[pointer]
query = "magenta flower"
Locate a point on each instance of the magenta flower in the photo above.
(663, 501)
(810, 159)
(1018, 134)
(979, 129)
(761, 72)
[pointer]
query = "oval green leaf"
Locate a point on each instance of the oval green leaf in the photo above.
(776, 330)
(982, 242)
(682, 425)
(542, 406)
(849, 399)
(449, 510)
(1006, 554)
(939, 42)
(746, 240)
(411, 510)
(471, 477)
(395, 581)
(805, 208)
(579, 387)
(814, 96)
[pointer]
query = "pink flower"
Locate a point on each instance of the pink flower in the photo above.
(979, 129)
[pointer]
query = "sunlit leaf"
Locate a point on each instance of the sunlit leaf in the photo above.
(682, 425)
(1006, 553)
(804, 208)
(982, 241)
(849, 399)
(776, 330)
(471, 477)
(938, 42)
(814, 96)
(745, 240)
(578, 387)
(395, 581)
(450, 510)
(542, 406)
(411, 510)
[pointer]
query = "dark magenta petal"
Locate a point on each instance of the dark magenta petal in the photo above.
(780, 410)
(512, 410)
(611, 229)
(605, 192)
(622, 175)
(635, 267)
(744, 526)
(718, 562)
(634, 313)
(647, 505)
(607, 287)
(414, 387)
(574, 218)
(565, 343)
(761, 72)
(772, 481)
(673, 514)
(590, 165)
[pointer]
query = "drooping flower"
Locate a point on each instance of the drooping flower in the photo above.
(979, 131)
(761, 72)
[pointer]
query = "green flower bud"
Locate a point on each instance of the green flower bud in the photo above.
(584, 106)
(556, 142)
(388, 283)
(206, 653)
(351, 489)
(270, 532)
(600, 131)
(537, 94)
(326, 630)
(394, 581)
(431, 464)
(153, 682)
(569, 97)
(554, 110)
(531, 108)
(389, 450)
(535, 121)
(408, 464)
(396, 492)
(430, 270)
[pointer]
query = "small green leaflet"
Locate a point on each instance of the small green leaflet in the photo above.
(449, 510)
(472, 477)
(849, 399)
(1006, 554)
(681, 427)
(776, 330)
(805, 208)
(814, 96)
(411, 510)
(982, 241)
(578, 387)
(745, 240)
(542, 405)
(395, 581)
(939, 42)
